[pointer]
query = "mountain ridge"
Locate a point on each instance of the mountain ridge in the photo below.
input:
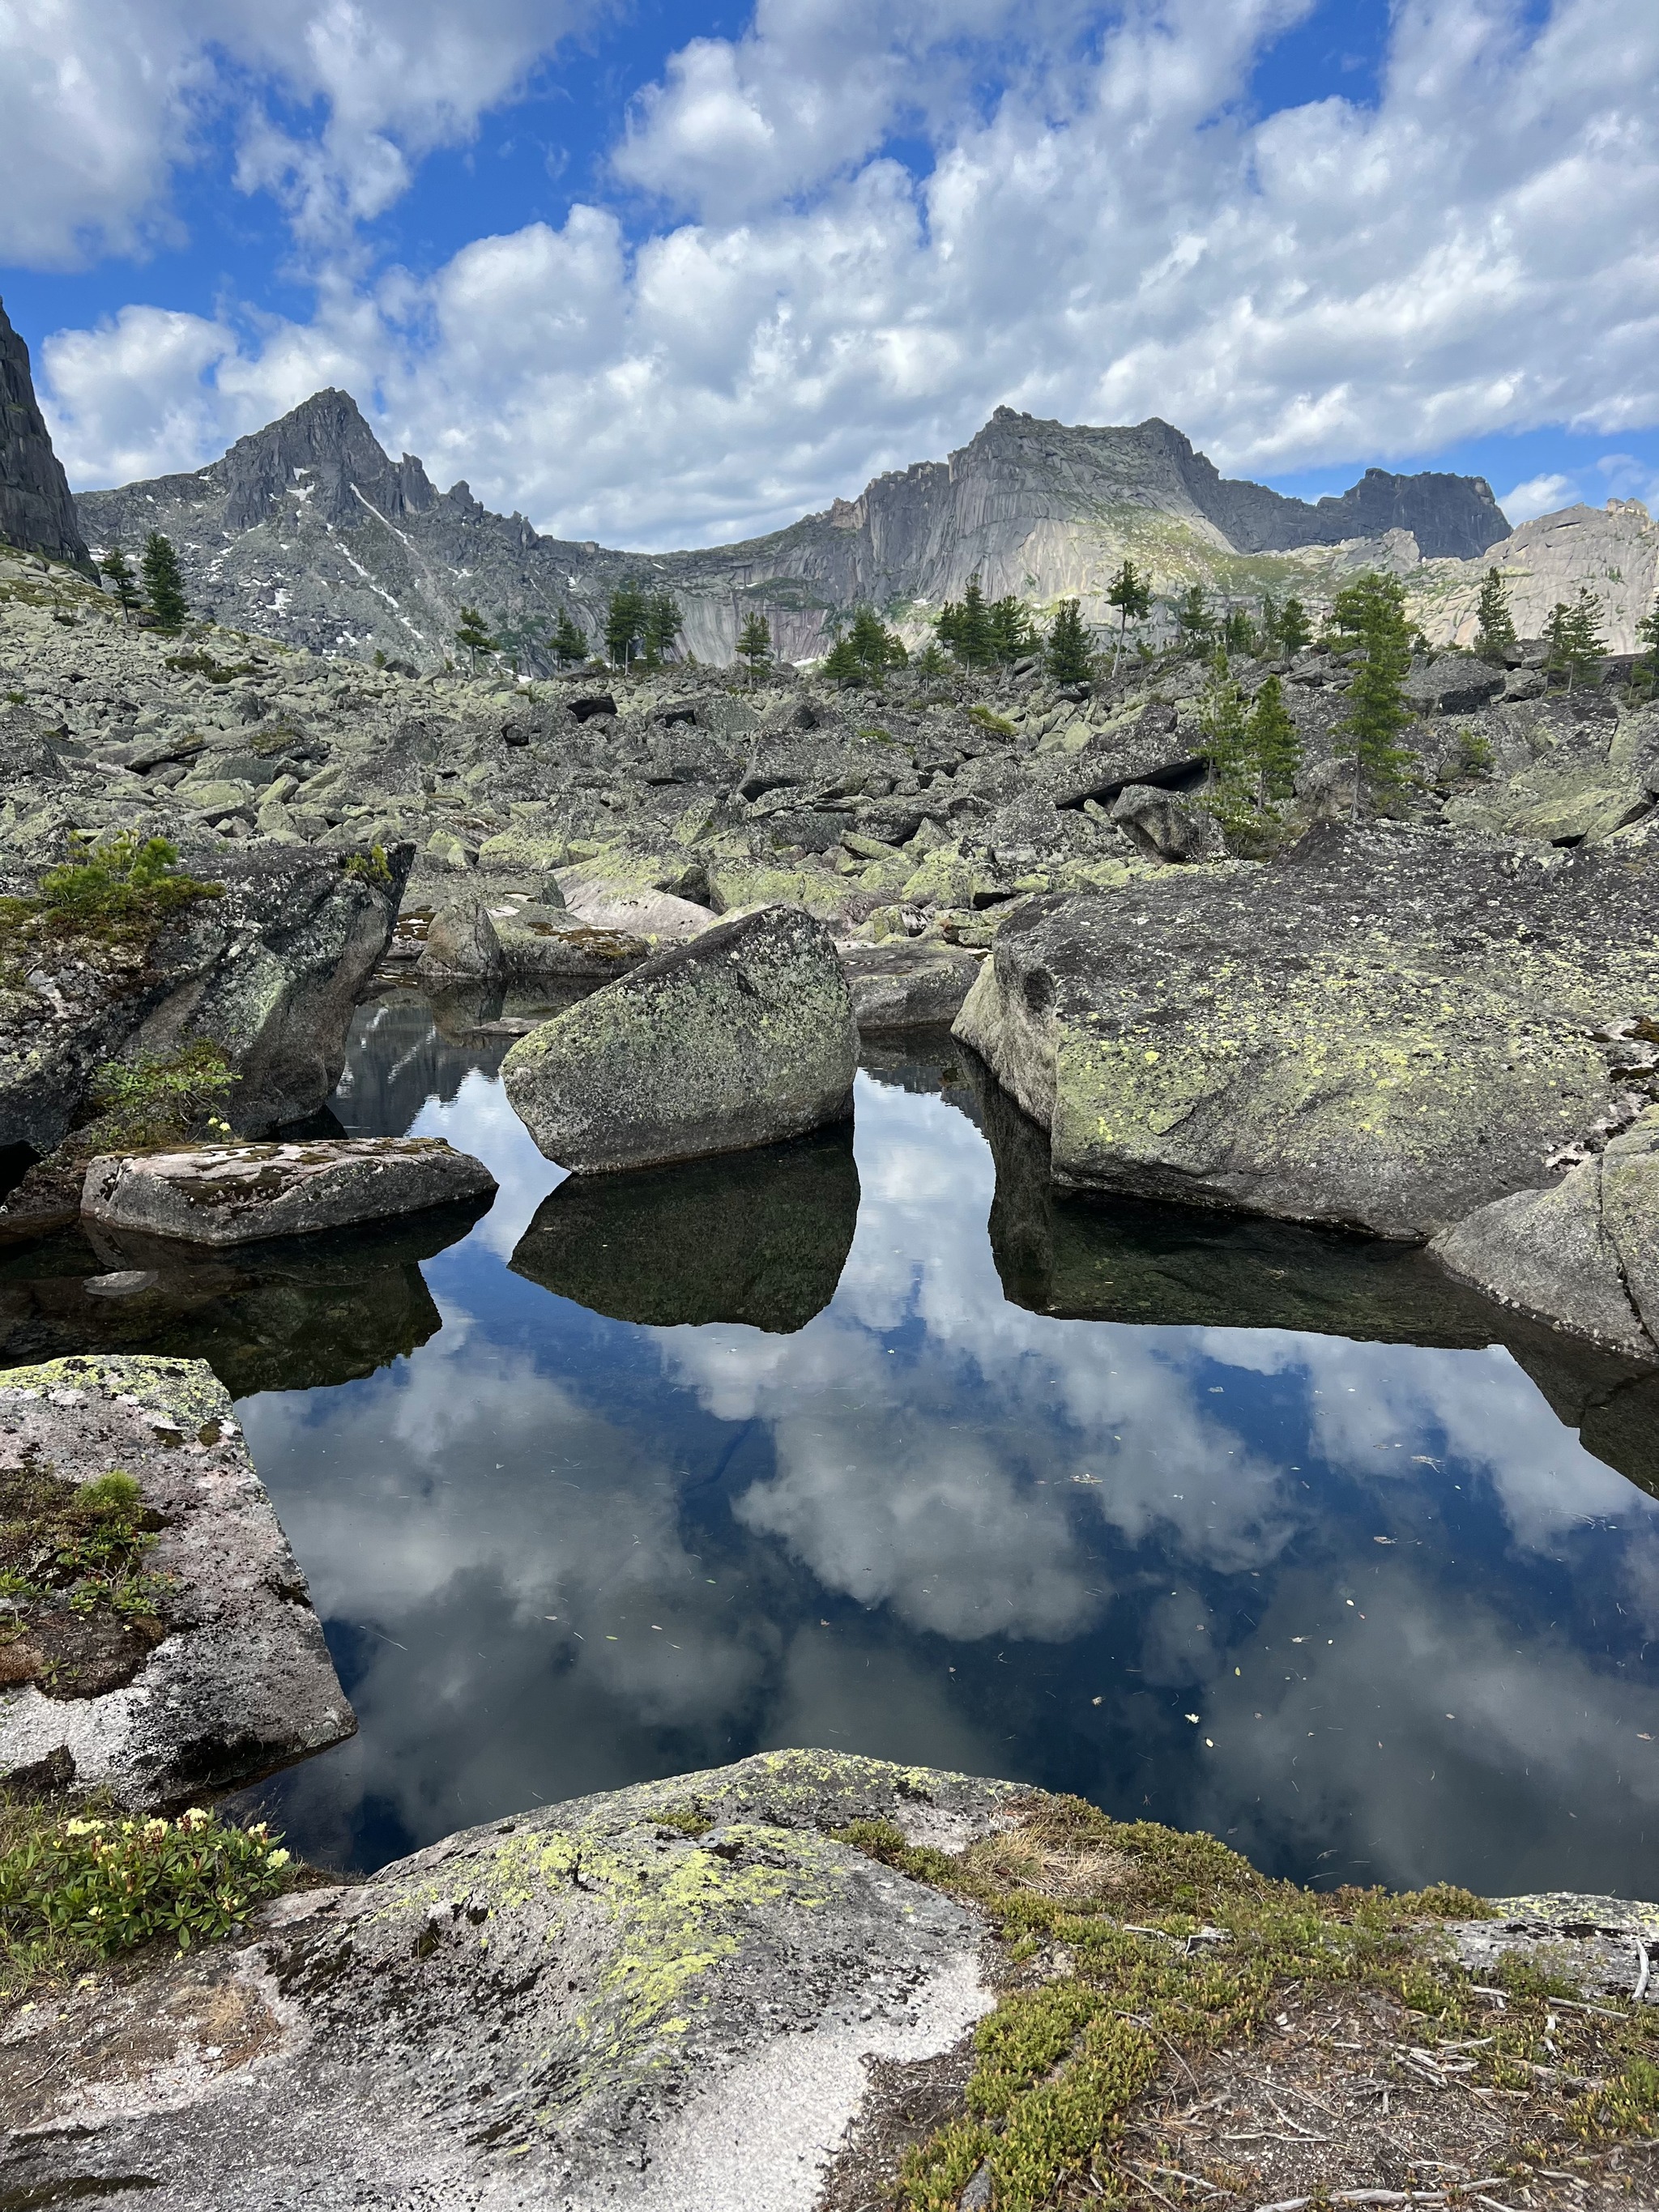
(37, 512)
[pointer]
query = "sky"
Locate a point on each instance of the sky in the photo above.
(662, 273)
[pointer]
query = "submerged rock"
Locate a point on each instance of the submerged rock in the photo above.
(740, 1038)
(231, 1677)
(1583, 1254)
(664, 1996)
(907, 983)
(240, 1193)
(1382, 1030)
(761, 1239)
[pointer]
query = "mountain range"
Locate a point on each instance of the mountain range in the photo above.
(307, 530)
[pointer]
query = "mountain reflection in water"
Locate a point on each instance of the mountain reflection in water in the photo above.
(1231, 1525)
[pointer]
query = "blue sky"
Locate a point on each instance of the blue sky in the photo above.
(663, 274)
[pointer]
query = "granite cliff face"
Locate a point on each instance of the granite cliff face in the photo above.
(307, 530)
(36, 511)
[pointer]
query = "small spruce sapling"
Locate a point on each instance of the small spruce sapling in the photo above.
(1274, 747)
(1238, 634)
(1295, 630)
(1194, 623)
(1067, 650)
(930, 661)
(1011, 635)
(473, 637)
(1370, 612)
(569, 641)
(116, 567)
(1644, 675)
(625, 624)
(1131, 594)
(164, 583)
(755, 645)
(1226, 745)
(1494, 636)
(662, 625)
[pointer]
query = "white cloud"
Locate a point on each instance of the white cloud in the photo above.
(1538, 496)
(1112, 235)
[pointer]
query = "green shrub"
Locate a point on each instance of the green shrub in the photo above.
(156, 1100)
(370, 867)
(108, 1885)
(998, 725)
(81, 1546)
(121, 892)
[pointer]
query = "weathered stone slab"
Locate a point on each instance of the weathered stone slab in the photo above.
(743, 1037)
(1385, 1029)
(238, 1193)
(907, 983)
(660, 1999)
(241, 1681)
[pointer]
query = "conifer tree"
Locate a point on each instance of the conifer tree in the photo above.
(164, 583)
(841, 664)
(1295, 631)
(116, 567)
(1584, 646)
(755, 645)
(1193, 621)
(1644, 675)
(1370, 612)
(662, 625)
(1226, 744)
(568, 640)
(473, 637)
(1274, 747)
(930, 661)
(1494, 637)
(1131, 594)
(873, 647)
(625, 624)
(1067, 650)
(1238, 633)
(1011, 635)
(965, 626)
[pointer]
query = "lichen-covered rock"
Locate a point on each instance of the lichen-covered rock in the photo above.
(1583, 1254)
(239, 1681)
(662, 1997)
(743, 1037)
(1383, 1029)
(761, 1239)
(1158, 822)
(239, 1193)
(907, 983)
(461, 940)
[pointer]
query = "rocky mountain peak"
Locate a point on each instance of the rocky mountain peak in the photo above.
(36, 511)
(322, 453)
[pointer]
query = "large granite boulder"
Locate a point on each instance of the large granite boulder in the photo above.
(228, 1676)
(523, 941)
(1158, 822)
(272, 971)
(743, 1037)
(666, 1996)
(1384, 1029)
(907, 983)
(1582, 1255)
(240, 1194)
(761, 1239)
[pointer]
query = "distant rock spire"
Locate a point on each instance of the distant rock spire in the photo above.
(36, 511)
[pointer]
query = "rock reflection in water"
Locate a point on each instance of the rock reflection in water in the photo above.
(304, 1314)
(759, 1238)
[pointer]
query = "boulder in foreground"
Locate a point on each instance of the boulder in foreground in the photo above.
(187, 1665)
(1382, 1030)
(238, 1193)
(1583, 1254)
(743, 1037)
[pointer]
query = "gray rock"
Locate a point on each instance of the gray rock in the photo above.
(1583, 1254)
(242, 1683)
(36, 511)
(461, 940)
(240, 1194)
(1453, 683)
(1382, 1029)
(907, 983)
(742, 1037)
(1158, 822)
(760, 1238)
(606, 2003)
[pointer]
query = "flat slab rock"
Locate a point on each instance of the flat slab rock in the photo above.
(1384, 1029)
(238, 1193)
(587, 2006)
(906, 983)
(242, 1683)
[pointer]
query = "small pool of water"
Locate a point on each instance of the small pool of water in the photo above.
(868, 1443)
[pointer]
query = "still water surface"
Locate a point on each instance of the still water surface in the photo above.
(828, 1447)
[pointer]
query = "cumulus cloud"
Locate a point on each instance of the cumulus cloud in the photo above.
(1538, 496)
(1106, 231)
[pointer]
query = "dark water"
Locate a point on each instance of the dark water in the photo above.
(868, 1443)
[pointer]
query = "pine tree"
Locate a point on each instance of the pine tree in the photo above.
(873, 647)
(473, 637)
(1371, 612)
(569, 641)
(1644, 675)
(662, 624)
(1131, 594)
(116, 567)
(755, 645)
(1067, 650)
(625, 624)
(965, 626)
(1238, 634)
(841, 663)
(1295, 631)
(1494, 638)
(1275, 749)
(1586, 647)
(1193, 621)
(164, 584)
(1011, 635)
(1226, 744)
(930, 661)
